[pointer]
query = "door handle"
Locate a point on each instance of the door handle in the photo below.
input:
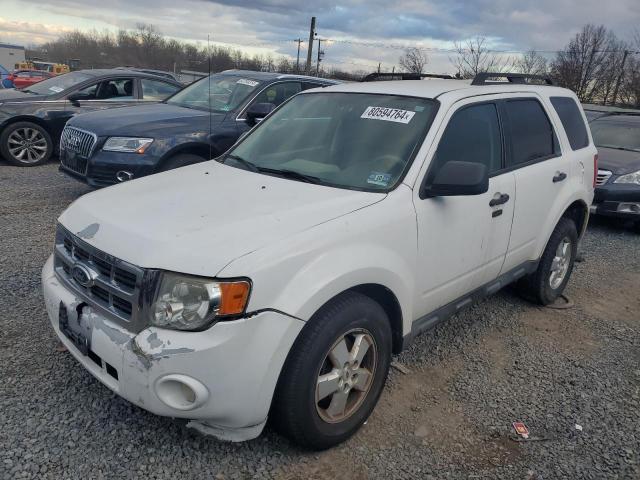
(560, 176)
(499, 199)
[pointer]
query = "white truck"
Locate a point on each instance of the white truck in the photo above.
(279, 279)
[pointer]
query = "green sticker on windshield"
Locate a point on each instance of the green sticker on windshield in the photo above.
(379, 178)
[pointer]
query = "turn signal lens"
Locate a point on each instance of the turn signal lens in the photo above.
(234, 297)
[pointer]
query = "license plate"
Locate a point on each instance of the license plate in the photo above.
(73, 332)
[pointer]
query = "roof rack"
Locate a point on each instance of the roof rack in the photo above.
(488, 78)
(377, 76)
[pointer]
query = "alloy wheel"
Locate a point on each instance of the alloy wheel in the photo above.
(27, 145)
(346, 375)
(560, 264)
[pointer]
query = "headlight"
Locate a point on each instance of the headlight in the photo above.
(629, 178)
(190, 303)
(127, 144)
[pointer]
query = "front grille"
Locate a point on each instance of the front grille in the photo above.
(76, 146)
(602, 177)
(114, 285)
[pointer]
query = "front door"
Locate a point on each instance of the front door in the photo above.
(462, 240)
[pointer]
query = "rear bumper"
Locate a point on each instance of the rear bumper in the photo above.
(617, 200)
(232, 367)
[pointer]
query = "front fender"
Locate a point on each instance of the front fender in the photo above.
(374, 245)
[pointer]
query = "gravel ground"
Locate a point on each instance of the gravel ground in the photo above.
(447, 416)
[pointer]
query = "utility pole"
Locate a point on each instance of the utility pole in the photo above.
(312, 32)
(299, 41)
(320, 52)
(378, 67)
(619, 79)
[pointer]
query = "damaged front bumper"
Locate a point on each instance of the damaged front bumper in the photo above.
(222, 379)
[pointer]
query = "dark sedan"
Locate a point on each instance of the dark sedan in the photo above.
(198, 123)
(32, 119)
(617, 193)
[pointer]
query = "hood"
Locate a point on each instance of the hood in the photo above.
(619, 162)
(199, 218)
(144, 120)
(15, 95)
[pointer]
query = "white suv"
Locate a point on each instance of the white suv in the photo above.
(279, 279)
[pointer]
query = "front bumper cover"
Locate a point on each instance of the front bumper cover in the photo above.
(238, 362)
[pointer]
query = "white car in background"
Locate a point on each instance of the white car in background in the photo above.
(280, 278)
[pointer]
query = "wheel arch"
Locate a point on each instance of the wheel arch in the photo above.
(578, 212)
(194, 148)
(389, 302)
(29, 118)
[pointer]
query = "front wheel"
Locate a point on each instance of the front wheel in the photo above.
(548, 282)
(180, 160)
(335, 373)
(26, 144)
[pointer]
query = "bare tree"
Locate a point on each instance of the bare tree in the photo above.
(532, 63)
(413, 60)
(473, 57)
(587, 65)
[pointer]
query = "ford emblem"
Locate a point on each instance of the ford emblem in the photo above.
(82, 275)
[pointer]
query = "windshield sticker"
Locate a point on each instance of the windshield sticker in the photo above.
(244, 81)
(56, 89)
(388, 114)
(379, 178)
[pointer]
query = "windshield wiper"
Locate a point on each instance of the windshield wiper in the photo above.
(241, 161)
(26, 90)
(293, 175)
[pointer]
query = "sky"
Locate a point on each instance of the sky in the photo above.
(363, 32)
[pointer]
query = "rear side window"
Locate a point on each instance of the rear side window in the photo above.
(572, 121)
(472, 135)
(532, 136)
(156, 90)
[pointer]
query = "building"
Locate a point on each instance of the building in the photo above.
(10, 55)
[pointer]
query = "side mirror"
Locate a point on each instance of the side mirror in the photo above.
(458, 178)
(77, 96)
(257, 112)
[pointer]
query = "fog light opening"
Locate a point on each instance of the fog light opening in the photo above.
(629, 208)
(181, 392)
(123, 176)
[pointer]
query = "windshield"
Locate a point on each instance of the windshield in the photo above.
(227, 92)
(57, 84)
(347, 140)
(616, 133)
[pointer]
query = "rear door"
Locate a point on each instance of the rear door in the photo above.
(462, 240)
(541, 174)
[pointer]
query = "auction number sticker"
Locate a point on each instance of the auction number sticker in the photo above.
(245, 81)
(388, 114)
(56, 89)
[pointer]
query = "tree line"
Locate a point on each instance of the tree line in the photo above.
(597, 65)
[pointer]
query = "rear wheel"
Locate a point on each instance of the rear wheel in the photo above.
(334, 373)
(548, 282)
(180, 160)
(26, 144)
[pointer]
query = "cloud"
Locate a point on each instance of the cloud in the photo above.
(272, 25)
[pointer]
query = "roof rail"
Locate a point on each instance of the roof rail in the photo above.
(377, 76)
(488, 78)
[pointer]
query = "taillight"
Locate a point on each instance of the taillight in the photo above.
(595, 169)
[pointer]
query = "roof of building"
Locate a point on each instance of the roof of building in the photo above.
(9, 45)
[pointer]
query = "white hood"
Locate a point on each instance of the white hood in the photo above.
(197, 219)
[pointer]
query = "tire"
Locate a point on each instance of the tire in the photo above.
(180, 160)
(37, 149)
(296, 413)
(548, 282)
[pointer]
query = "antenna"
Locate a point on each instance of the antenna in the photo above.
(209, 97)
